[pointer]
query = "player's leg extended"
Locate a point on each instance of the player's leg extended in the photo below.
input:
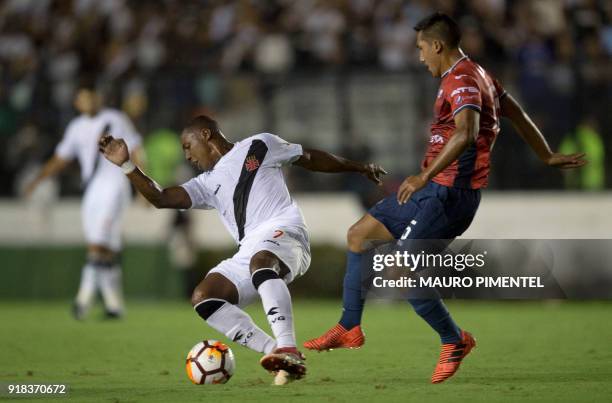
(267, 273)
(443, 213)
(88, 285)
(102, 212)
(215, 299)
(347, 333)
(109, 279)
(456, 343)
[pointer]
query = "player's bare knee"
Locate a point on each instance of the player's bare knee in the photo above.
(100, 258)
(264, 260)
(355, 239)
(101, 255)
(198, 295)
(214, 286)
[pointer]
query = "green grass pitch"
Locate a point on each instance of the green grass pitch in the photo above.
(527, 351)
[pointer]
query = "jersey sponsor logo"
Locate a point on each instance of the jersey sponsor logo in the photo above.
(273, 311)
(460, 76)
(436, 139)
(440, 92)
(271, 241)
(251, 163)
(464, 89)
(278, 233)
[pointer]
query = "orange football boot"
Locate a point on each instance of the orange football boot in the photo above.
(337, 337)
(451, 356)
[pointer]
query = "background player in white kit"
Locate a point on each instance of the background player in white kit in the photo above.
(244, 182)
(107, 194)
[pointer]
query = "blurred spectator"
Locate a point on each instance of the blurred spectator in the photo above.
(163, 59)
(165, 155)
(166, 166)
(586, 139)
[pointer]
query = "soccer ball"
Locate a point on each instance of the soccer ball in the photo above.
(209, 362)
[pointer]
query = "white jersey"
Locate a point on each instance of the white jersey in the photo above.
(81, 141)
(247, 187)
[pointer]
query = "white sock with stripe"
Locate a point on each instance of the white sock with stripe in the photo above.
(236, 324)
(276, 301)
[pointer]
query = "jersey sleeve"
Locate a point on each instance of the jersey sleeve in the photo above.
(281, 152)
(464, 92)
(67, 148)
(201, 197)
(501, 92)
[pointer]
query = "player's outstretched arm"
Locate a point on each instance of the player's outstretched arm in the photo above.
(52, 167)
(511, 109)
(467, 124)
(116, 151)
(322, 161)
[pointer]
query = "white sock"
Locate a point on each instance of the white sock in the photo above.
(87, 287)
(238, 326)
(111, 289)
(276, 302)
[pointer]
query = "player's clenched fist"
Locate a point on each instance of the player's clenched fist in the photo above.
(115, 150)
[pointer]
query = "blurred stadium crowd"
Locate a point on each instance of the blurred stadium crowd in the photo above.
(163, 60)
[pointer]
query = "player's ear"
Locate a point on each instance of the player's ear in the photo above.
(437, 46)
(206, 133)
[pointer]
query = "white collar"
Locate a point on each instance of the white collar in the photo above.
(453, 66)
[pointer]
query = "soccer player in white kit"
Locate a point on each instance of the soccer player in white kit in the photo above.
(107, 194)
(245, 183)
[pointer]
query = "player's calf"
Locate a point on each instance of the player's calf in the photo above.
(226, 317)
(266, 276)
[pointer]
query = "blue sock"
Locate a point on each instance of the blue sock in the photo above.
(434, 312)
(352, 303)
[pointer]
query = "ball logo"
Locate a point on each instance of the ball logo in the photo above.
(251, 163)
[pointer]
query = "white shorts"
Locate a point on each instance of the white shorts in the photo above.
(289, 244)
(102, 211)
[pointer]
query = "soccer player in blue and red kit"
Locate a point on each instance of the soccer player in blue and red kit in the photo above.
(440, 201)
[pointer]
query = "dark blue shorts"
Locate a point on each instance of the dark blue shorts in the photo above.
(434, 212)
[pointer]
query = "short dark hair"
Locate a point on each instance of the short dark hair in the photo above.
(203, 122)
(440, 26)
(88, 83)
